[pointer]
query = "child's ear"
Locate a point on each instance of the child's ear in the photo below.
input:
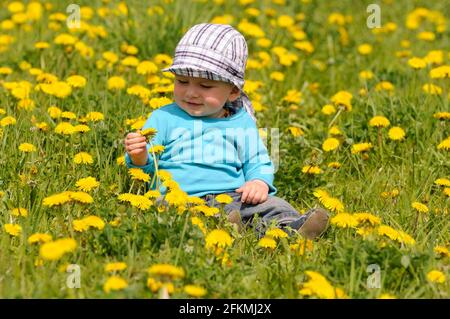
(234, 94)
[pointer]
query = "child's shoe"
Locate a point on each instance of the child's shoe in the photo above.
(313, 223)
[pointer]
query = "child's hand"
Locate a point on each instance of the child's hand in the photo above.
(254, 192)
(135, 144)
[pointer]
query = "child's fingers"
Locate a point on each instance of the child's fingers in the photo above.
(244, 195)
(134, 140)
(135, 146)
(250, 195)
(138, 151)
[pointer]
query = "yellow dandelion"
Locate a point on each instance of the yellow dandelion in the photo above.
(421, 208)
(295, 131)
(379, 121)
(361, 147)
(317, 285)
(19, 212)
(114, 283)
(195, 291)
(12, 229)
(116, 83)
(138, 174)
(417, 63)
(276, 233)
(83, 158)
(267, 242)
(311, 169)
(432, 89)
(442, 251)
(436, 276)
(444, 145)
(344, 220)
(117, 266)
(442, 182)
(27, 148)
(224, 199)
(87, 184)
(330, 144)
(396, 133)
(166, 270)
(39, 238)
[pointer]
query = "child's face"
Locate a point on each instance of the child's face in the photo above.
(202, 97)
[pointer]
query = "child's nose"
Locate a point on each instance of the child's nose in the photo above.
(191, 92)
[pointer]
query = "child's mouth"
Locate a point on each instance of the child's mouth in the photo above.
(193, 104)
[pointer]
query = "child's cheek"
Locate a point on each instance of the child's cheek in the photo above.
(212, 101)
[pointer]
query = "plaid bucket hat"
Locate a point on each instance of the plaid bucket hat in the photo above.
(215, 52)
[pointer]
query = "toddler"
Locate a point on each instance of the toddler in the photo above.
(211, 142)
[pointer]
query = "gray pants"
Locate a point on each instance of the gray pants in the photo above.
(274, 210)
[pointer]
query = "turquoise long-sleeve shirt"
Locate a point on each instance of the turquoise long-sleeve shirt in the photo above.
(208, 155)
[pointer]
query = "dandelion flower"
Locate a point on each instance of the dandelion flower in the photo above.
(83, 158)
(19, 212)
(379, 121)
(57, 199)
(417, 63)
(12, 229)
(195, 291)
(224, 199)
(27, 148)
(114, 283)
(328, 109)
(442, 251)
(365, 49)
(116, 83)
(317, 285)
(87, 184)
(95, 117)
(267, 242)
(442, 182)
(421, 208)
(276, 233)
(333, 204)
(311, 169)
(432, 89)
(166, 270)
(361, 147)
(118, 266)
(330, 144)
(138, 174)
(76, 81)
(54, 250)
(436, 276)
(344, 220)
(445, 144)
(384, 230)
(396, 133)
(149, 132)
(39, 238)
(295, 131)
(218, 239)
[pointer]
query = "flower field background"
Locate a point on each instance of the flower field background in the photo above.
(363, 116)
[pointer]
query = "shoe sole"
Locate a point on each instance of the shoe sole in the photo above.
(315, 225)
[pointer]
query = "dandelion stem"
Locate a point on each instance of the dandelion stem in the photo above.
(182, 238)
(336, 116)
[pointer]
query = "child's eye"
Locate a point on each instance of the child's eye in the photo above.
(205, 86)
(182, 81)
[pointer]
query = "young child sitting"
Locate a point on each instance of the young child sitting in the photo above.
(212, 144)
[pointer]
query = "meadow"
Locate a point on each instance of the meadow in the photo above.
(363, 119)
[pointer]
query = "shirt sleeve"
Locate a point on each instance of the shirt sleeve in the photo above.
(257, 163)
(153, 121)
